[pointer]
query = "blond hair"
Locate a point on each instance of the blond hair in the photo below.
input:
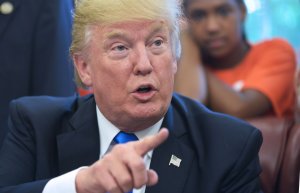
(90, 13)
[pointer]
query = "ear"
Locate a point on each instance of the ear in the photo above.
(174, 66)
(83, 69)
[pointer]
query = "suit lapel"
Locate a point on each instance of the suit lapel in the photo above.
(79, 145)
(171, 177)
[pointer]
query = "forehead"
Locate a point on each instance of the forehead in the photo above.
(207, 4)
(133, 28)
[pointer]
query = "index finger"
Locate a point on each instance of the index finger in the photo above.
(151, 142)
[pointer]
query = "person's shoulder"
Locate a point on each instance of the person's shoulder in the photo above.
(41, 105)
(275, 43)
(272, 53)
(44, 101)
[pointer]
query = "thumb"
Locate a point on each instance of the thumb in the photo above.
(152, 177)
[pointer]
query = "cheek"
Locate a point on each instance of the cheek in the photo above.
(112, 89)
(193, 28)
(167, 75)
(197, 32)
(234, 26)
(109, 72)
(110, 79)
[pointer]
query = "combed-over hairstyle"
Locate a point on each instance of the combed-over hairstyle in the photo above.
(89, 13)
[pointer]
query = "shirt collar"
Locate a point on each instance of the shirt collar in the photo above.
(108, 131)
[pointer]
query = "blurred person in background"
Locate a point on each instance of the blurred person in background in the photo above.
(34, 39)
(221, 69)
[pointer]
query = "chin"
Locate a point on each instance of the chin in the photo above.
(217, 53)
(145, 112)
(149, 112)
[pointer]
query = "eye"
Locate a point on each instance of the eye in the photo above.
(223, 11)
(197, 15)
(119, 48)
(158, 43)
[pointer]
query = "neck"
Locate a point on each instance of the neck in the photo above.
(230, 60)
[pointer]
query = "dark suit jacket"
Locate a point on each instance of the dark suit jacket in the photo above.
(51, 136)
(34, 58)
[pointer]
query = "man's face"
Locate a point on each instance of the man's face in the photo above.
(216, 25)
(131, 70)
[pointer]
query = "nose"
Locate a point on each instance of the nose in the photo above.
(212, 25)
(142, 62)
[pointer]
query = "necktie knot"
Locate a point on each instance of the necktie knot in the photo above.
(123, 137)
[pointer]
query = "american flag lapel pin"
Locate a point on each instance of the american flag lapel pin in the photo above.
(175, 161)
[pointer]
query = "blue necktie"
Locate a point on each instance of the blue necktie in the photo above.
(123, 137)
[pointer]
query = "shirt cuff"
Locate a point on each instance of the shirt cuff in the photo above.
(63, 183)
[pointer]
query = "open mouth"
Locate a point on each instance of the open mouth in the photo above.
(144, 89)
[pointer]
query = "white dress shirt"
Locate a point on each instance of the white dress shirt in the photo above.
(107, 131)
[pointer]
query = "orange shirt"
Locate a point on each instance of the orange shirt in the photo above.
(83, 92)
(270, 68)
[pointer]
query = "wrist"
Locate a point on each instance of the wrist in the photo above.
(79, 181)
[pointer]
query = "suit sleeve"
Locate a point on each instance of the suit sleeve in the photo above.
(17, 157)
(244, 176)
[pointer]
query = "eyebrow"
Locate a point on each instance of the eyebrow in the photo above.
(157, 28)
(116, 33)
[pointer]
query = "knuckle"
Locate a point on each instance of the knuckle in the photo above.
(139, 164)
(112, 188)
(96, 167)
(126, 182)
(120, 148)
(140, 185)
(142, 180)
(107, 157)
